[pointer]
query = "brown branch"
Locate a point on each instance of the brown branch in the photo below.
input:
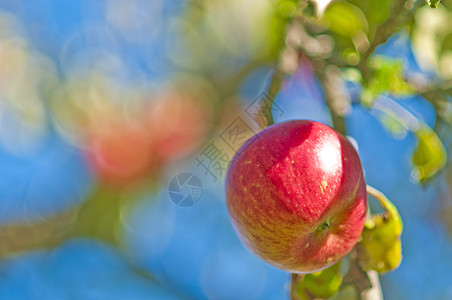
(46, 233)
(401, 12)
(367, 283)
(266, 103)
(437, 94)
(336, 96)
(437, 91)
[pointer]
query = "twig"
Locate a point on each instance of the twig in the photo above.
(436, 93)
(367, 283)
(400, 12)
(296, 279)
(336, 96)
(288, 53)
(266, 103)
(374, 293)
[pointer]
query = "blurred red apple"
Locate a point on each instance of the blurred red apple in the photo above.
(179, 123)
(123, 149)
(297, 196)
(120, 154)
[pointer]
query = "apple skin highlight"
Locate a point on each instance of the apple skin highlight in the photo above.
(296, 195)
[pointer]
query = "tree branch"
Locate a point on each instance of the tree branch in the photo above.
(336, 96)
(401, 11)
(367, 284)
(266, 103)
(373, 293)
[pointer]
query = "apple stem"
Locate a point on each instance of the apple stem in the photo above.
(324, 225)
(385, 203)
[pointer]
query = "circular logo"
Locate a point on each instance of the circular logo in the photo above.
(185, 189)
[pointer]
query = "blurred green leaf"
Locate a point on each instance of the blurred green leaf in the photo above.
(323, 284)
(345, 19)
(347, 292)
(376, 11)
(284, 11)
(431, 39)
(348, 26)
(387, 78)
(447, 43)
(380, 247)
(430, 155)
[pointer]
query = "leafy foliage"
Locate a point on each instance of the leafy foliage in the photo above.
(387, 78)
(380, 248)
(430, 155)
(322, 284)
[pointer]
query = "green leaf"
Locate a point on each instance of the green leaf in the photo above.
(376, 12)
(347, 292)
(345, 19)
(380, 247)
(323, 284)
(387, 78)
(446, 44)
(430, 155)
(433, 3)
(284, 11)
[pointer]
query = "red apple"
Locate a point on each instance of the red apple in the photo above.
(296, 195)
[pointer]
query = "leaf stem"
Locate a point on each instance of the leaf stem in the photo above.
(385, 203)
